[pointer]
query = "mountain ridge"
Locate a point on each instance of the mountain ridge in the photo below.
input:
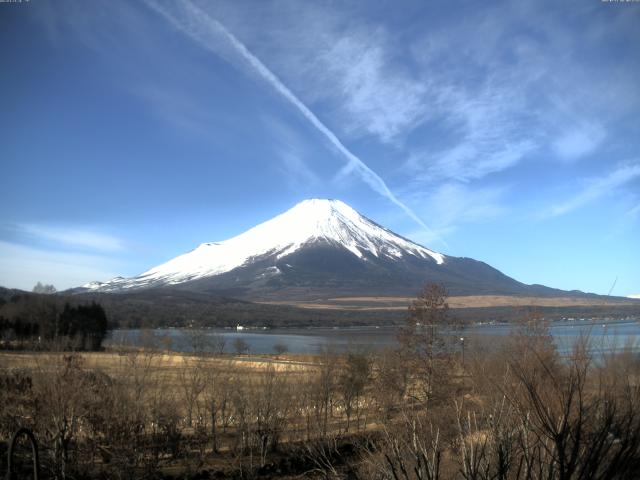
(318, 248)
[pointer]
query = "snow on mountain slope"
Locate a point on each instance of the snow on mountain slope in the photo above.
(307, 222)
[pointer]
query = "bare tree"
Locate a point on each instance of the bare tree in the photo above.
(352, 381)
(410, 450)
(218, 343)
(391, 379)
(280, 349)
(424, 340)
(574, 428)
(216, 394)
(60, 406)
(323, 390)
(272, 405)
(488, 443)
(192, 382)
(240, 346)
(531, 343)
(44, 288)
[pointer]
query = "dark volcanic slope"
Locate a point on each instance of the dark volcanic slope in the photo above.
(321, 248)
(322, 269)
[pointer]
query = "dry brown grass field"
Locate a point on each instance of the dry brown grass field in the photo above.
(469, 301)
(135, 413)
(511, 410)
(221, 413)
(166, 362)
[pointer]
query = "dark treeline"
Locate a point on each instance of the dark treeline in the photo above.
(46, 321)
(162, 308)
(175, 308)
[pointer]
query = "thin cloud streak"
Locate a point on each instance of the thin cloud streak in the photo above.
(454, 204)
(291, 151)
(528, 98)
(22, 267)
(73, 237)
(378, 98)
(596, 189)
(634, 212)
(198, 24)
(579, 142)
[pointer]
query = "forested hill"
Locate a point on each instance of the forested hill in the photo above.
(31, 320)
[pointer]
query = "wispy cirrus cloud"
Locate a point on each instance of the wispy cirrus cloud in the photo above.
(485, 136)
(502, 85)
(72, 237)
(292, 152)
(508, 84)
(634, 212)
(213, 36)
(178, 109)
(337, 60)
(578, 141)
(454, 204)
(596, 188)
(22, 267)
(377, 98)
(296, 170)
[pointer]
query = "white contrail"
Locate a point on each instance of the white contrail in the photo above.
(198, 25)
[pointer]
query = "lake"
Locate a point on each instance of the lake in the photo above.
(604, 337)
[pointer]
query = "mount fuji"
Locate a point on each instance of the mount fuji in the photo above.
(319, 248)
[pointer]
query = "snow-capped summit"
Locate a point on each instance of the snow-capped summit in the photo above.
(318, 219)
(318, 247)
(310, 221)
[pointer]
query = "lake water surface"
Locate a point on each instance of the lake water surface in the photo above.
(604, 337)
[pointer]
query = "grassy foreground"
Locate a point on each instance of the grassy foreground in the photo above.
(515, 410)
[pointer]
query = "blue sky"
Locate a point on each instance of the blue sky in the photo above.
(131, 131)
